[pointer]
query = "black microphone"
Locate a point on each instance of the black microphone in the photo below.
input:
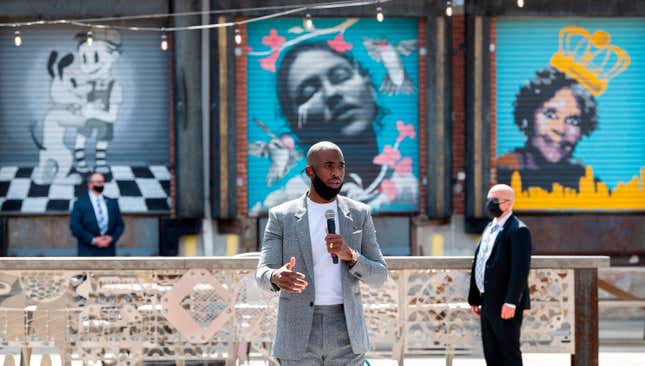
(331, 229)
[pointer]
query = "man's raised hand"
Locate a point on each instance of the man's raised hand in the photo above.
(288, 280)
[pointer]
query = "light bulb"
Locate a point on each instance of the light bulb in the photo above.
(379, 14)
(90, 38)
(309, 23)
(238, 37)
(449, 11)
(520, 3)
(17, 39)
(164, 42)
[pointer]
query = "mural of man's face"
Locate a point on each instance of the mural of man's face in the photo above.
(557, 126)
(96, 60)
(330, 94)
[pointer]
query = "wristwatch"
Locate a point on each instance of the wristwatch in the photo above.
(354, 259)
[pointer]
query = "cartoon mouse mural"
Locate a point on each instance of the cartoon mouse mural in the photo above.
(103, 100)
(68, 91)
(84, 96)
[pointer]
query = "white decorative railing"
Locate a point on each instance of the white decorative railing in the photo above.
(128, 310)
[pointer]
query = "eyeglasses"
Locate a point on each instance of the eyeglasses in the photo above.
(497, 200)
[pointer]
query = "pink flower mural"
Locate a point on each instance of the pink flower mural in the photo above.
(404, 167)
(388, 157)
(273, 40)
(405, 131)
(268, 63)
(388, 188)
(339, 44)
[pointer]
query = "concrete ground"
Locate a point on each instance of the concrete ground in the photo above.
(609, 356)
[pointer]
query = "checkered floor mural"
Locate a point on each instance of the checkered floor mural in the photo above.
(139, 189)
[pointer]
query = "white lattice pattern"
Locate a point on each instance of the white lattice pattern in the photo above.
(125, 317)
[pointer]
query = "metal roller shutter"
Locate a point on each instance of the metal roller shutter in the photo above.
(351, 81)
(55, 92)
(569, 106)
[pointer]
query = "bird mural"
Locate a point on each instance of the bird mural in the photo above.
(280, 150)
(396, 79)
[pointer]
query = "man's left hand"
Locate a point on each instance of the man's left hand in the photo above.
(508, 312)
(336, 245)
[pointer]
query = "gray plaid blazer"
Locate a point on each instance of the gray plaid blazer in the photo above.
(287, 235)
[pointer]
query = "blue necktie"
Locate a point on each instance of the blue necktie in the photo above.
(101, 217)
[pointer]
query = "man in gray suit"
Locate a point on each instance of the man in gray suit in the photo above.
(320, 313)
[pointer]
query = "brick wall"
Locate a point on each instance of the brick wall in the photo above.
(241, 126)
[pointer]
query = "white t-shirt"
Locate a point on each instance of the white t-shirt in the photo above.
(327, 276)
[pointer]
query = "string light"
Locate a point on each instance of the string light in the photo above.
(379, 14)
(164, 42)
(17, 39)
(237, 11)
(449, 8)
(309, 23)
(238, 37)
(282, 10)
(520, 3)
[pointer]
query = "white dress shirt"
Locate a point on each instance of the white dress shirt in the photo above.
(487, 244)
(327, 276)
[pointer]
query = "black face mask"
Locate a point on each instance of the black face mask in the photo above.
(323, 190)
(492, 206)
(98, 189)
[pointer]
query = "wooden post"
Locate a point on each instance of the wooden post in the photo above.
(586, 318)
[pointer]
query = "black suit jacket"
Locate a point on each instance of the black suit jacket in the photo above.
(85, 227)
(507, 268)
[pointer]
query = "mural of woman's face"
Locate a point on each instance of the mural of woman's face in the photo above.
(328, 91)
(557, 126)
(96, 60)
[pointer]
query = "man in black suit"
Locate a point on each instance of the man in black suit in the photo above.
(96, 220)
(499, 279)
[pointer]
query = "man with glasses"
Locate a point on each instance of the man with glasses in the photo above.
(499, 279)
(96, 220)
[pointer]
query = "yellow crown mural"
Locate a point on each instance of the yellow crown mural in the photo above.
(589, 59)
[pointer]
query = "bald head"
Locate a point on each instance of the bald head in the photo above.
(314, 153)
(326, 169)
(502, 191)
(504, 195)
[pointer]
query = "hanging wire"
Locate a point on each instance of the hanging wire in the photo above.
(290, 9)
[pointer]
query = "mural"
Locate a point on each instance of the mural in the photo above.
(347, 81)
(75, 113)
(563, 139)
